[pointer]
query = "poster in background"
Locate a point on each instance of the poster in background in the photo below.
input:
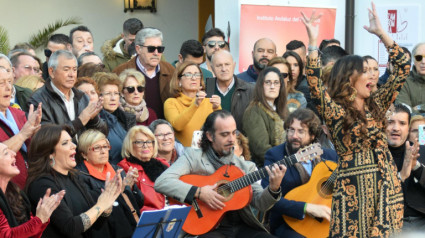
(281, 24)
(402, 25)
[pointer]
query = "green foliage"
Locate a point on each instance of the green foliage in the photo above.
(40, 39)
(4, 41)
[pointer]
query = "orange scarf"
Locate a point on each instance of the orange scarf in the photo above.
(100, 175)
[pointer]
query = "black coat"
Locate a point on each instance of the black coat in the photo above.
(54, 110)
(121, 222)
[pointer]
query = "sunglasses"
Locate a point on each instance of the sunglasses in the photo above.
(213, 43)
(131, 89)
(284, 75)
(419, 57)
(47, 52)
(152, 49)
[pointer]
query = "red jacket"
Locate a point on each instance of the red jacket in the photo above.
(31, 228)
(20, 120)
(153, 200)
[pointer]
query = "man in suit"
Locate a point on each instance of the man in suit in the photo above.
(218, 140)
(303, 128)
(410, 167)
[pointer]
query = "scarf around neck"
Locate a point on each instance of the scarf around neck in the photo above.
(216, 161)
(100, 175)
(141, 111)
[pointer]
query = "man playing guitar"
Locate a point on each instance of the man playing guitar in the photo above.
(303, 128)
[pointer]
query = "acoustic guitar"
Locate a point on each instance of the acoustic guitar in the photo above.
(235, 186)
(318, 190)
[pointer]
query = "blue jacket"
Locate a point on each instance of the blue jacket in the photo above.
(249, 76)
(290, 181)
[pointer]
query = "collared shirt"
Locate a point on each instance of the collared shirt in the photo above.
(13, 95)
(69, 105)
(143, 69)
(228, 88)
(9, 120)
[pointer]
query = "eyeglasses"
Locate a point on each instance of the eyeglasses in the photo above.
(164, 136)
(291, 132)
(270, 83)
(131, 89)
(190, 75)
(152, 49)
(47, 52)
(110, 94)
(140, 143)
(100, 147)
(419, 57)
(213, 43)
(284, 75)
(29, 68)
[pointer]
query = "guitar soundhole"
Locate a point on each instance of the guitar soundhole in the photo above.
(324, 188)
(224, 190)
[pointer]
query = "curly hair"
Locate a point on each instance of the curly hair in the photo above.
(340, 89)
(309, 118)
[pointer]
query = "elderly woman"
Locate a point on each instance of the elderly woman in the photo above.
(133, 101)
(119, 121)
(296, 99)
(89, 87)
(263, 119)
(168, 148)
(14, 208)
(15, 130)
(188, 108)
(51, 165)
(93, 147)
(32, 82)
(140, 150)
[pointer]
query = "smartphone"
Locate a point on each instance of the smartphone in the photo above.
(196, 139)
(210, 87)
(421, 134)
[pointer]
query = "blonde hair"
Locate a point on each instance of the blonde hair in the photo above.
(416, 118)
(29, 81)
(127, 145)
(102, 79)
(88, 138)
(123, 77)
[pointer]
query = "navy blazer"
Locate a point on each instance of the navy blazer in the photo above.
(290, 181)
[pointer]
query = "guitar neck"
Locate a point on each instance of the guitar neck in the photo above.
(252, 177)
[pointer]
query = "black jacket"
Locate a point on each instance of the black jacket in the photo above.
(241, 98)
(121, 222)
(54, 110)
(414, 191)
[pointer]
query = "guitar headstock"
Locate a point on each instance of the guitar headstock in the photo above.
(309, 153)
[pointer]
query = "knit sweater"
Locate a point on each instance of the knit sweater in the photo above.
(186, 117)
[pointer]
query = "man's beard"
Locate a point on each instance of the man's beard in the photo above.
(291, 149)
(260, 66)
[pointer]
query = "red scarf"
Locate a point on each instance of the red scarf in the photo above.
(100, 175)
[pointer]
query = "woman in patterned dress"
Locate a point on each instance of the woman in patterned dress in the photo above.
(367, 198)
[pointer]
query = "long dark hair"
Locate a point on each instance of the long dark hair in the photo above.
(18, 204)
(209, 126)
(259, 96)
(340, 89)
(42, 146)
(300, 65)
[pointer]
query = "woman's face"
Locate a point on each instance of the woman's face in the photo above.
(165, 137)
(98, 153)
(271, 86)
(374, 70)
(142, 147)
(89, 89)
(111, 97)
(8, 166)
(190, 79)
(64, 154)
(284, 71)
(131, 91)
(363, 84)
(294, 67)
(5, 93)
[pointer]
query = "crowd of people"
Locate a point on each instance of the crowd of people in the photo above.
(88, 144)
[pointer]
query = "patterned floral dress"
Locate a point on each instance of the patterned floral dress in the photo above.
(367, 199)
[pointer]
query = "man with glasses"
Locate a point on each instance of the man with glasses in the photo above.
(264, 50)
(303, 128)
(412, 92)
(115, 51)
(212, 41)
(235, 93)
(56, 42)
(157, 73)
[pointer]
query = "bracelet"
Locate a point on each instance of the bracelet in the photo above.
(312, 48)
(199, 193)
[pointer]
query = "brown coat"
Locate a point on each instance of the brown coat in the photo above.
(166, 72)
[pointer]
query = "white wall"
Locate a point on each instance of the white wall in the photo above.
(229, 11)
(178, 20)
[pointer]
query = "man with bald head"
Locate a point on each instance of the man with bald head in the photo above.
(264, 51)
(235, 93)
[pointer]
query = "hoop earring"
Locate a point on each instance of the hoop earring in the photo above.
(353, 95)
(53, 161)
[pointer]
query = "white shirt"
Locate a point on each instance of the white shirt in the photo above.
(69, 105)
(143, 69)
(228, 88)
